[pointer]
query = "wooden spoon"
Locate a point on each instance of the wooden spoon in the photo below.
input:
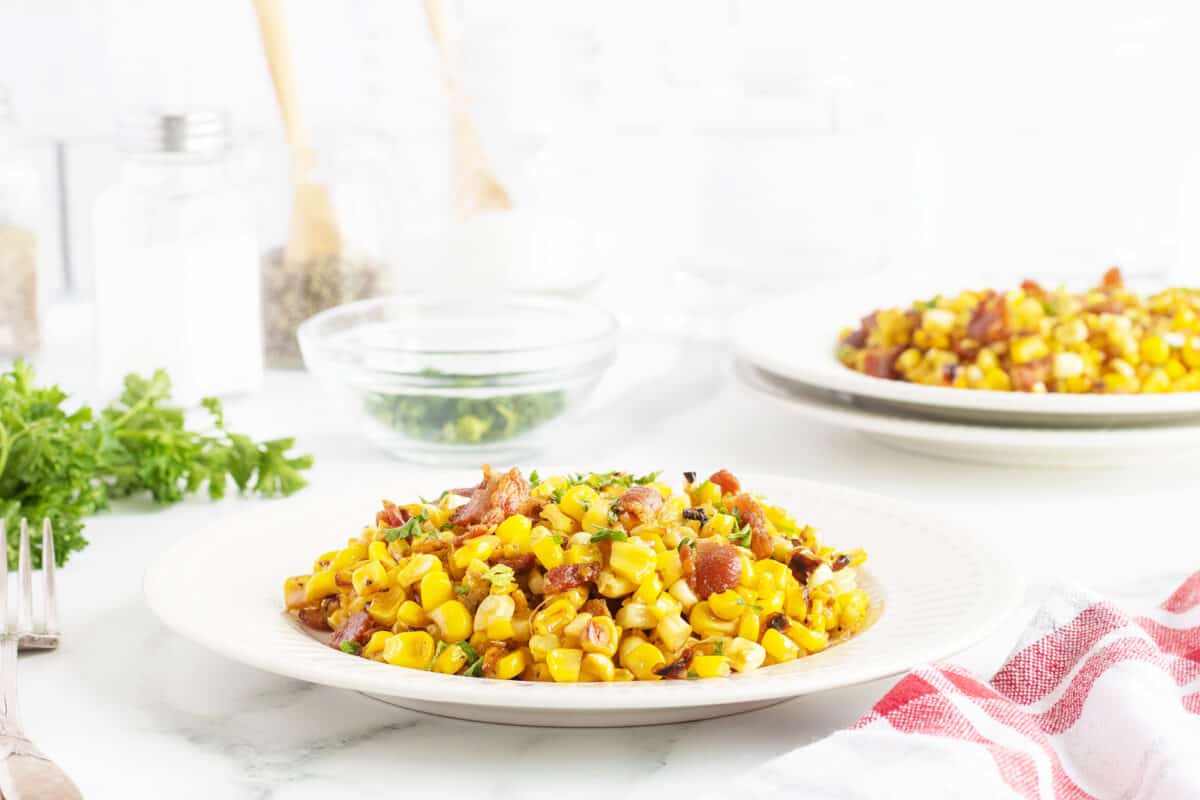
(476, 187)
(313, 233)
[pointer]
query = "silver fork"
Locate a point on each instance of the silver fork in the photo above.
(25, 773)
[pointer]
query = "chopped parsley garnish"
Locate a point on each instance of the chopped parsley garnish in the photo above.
(461, 588)
(609, 533)
(719, 647)
(437, 652)
(741, 537)
(405, 531)
(352, 647)
(501, 575)
(534, 479)
(645, 479)
(751, 606)
(439, 499)
(474, 660)
(693, 674)
(559, 539)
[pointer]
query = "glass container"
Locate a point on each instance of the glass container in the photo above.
(176, 260)
(20, 297)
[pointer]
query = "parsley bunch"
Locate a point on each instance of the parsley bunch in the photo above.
(69, 465)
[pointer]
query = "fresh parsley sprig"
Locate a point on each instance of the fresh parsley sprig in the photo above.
(608, 533)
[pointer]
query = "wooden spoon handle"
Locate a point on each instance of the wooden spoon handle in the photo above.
(273, 26)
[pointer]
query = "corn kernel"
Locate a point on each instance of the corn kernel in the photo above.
(1029, 348)
(596, 516)
(549, 553)
(415, 568)
(565, 664)
(745, 654)
(710, 666)
(385, 604)
(450, 660)
(320, 585)
(1155, 350)
(719, 525)
(778, 646)
(576, 500)
(540, 645)
(682, 591)
(480, 548)
(558, 520)
(374, 645)
(510, 665)
(636, 615)
(378, 551)
(370, 577)
(706, 623)
(436, 589)
(809, 639)
(597, 667)
(749, 625)
(413, 649)
(600, 636)
(708, 493)
(494, 607)
(453, 621)
(515, 531)
(727, 604)
(669, 566)
(632, 561)
(553, 617)
(673, 631)
(642, 660)
(412, 615)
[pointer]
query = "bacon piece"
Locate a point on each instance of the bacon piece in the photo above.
(430, 545)
(778, 621)
(989, 323)
(1026, 376)
(1113, 279)
(717, 567)
(678, 668)
(391, 516)
(597, 638)
(315, 617)
(687, 560)
(639, 505)
(497, 497)
(802, 563)
(518, 562)
(1033, 288)
(568, 576)
(840, 562)
(880, 362)
(358, 627)
(753, 515)
(727, 481)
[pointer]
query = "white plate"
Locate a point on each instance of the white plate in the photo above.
(1020, 447)
(937, 588)
(795, 337)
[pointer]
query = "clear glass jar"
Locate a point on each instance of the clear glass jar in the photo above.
(20, 296)
(176, 261)
(293, 290)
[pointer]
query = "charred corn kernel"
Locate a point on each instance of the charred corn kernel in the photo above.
(708, 493)
(727, 604)
(558, 520)
(450, 660)
(810, 640)
(417, 567)
(582, 554)
(384, 605)
(548, 552)
(636, 615)
(564, 664)
(596, 516)
(610, 584)
(436, 589)
(749, 625)
(553, 617)
(412, 615)
(673, 631)
(649, 591)
(494, 607)
(600, 635)
(320, 585)
(480, 548)
(632, 561)
(682, 591)
(745, 654)
(510, 665)
(1155, 350)
(1029, 348)
(719, 525)
(597, 667)
(778, 646)
(710, 666)
(576, 597)
(374, 645)
(642, 660)
(669, 566)
(576, 501)
(377, 551)
(574, 629)
(325, 561)
(413, 649)
(516, 530)
(540, 645)
(453, 621)
(706, 623)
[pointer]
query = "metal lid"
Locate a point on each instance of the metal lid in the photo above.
(187, 132)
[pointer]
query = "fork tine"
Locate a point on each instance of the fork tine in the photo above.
(50, 603)
(6, 617)
(25, 582)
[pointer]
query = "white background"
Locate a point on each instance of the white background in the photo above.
(762, 137)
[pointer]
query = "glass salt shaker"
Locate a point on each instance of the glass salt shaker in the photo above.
(176, 260)
(20, 297)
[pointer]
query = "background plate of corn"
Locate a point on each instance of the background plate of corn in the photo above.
(796, 337)
(936, 589)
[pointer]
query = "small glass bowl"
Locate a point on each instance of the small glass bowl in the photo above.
(449, 379)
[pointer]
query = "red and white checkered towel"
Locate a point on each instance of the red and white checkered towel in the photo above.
(1094, 703)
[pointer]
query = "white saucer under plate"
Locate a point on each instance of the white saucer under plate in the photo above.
(937, 589)
(795, 337)
(985, 444)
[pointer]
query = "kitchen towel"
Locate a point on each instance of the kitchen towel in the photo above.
(1093, 703)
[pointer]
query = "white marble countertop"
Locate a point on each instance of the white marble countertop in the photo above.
(131, 710)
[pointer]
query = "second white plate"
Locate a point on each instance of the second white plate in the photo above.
(937, 589)
(795, 337)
